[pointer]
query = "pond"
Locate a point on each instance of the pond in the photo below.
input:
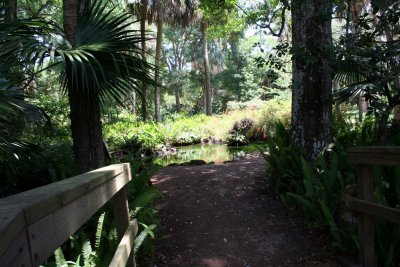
(207, 152)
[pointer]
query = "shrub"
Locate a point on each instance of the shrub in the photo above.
(316, 188)
(237, 135)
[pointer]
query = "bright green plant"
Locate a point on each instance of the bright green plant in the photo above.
(316, 187)
(237, 136)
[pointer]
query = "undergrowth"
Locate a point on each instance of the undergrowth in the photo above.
(317, 187)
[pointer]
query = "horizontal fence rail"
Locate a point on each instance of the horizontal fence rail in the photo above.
(363, 205)
(33, 224)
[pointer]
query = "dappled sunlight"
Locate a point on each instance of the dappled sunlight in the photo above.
(214, 262)
(157, 181)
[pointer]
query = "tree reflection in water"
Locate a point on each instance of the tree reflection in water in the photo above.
(207, 152)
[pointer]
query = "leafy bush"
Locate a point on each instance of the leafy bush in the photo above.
(51, 163)
(274, 110)
(316, 188)
(237, 135)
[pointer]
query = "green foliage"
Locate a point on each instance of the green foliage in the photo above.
(273, 111)
(141, 201)
(226, 16)
(367, 63)
(317, 187)
(178, 129)
(237, 135)
(53, 162)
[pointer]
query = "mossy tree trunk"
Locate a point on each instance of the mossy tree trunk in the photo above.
(312, 77)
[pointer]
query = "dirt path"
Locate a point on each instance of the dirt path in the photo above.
(223, 215)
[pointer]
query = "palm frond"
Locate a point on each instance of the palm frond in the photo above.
(353, 90)
(12, 104)
(106, 59)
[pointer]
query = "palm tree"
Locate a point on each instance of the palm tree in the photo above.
(174, 13)
(113, 66)
(14, 106)
(100, 57)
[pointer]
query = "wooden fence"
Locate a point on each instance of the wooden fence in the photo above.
(33, 224)
(363, 205)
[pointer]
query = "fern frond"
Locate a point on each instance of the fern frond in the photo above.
(147, 231)
(87, 254)
(146, 197)
(99, 231)
(139, 240)
(59, 256)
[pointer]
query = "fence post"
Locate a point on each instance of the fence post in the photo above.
(366, 232)
(122, 218)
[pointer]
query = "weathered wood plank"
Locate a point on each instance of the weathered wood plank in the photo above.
(51, 231)
(18, 253)
(122, 219)
(373, 209)
(14, 245)
(125, 247)
(375, 155)
(43, 200)
(366, 224)
(12, 222)
(43, 218)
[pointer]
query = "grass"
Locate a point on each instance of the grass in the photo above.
(182, 129)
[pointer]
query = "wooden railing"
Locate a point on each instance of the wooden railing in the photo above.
(363, 205)
(33, 224)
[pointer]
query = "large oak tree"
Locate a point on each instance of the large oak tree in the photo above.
(312, 78)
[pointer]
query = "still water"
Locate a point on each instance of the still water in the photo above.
(207, 152)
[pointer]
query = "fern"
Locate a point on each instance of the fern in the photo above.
(99, 231)
(147, 231)
(59, 256)
(87, 254)
(147, 196)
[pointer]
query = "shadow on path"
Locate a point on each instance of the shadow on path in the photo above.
(223, 215)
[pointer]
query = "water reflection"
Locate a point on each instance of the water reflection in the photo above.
(207, 152)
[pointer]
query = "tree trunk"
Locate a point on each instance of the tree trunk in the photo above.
(355, 8)
(86, 131)
(312, 78)
(157, 102)
(362, 107)
(70, 15)
(10, 10)
(133, 102)
(143, 16)
(85, 111)
(177, 101)
(207, 87)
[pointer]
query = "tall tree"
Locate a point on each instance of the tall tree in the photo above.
(223, 18)
(207, 80)
(85, 111)
(312, 79)
(143, 17)
(10, 9)
(106, 64)
(174, 13)
(176, 54)
(157, 100)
